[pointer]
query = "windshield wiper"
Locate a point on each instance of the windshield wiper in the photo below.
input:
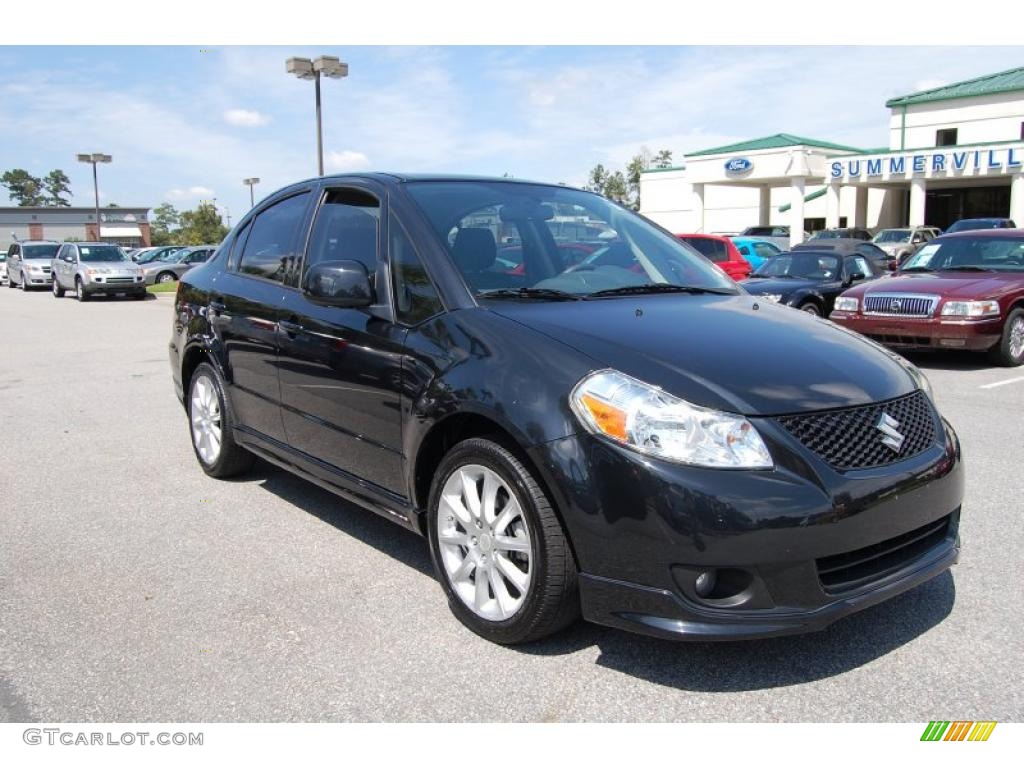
(779, 277)
(916, 269)
(967, 268)
(629, 290)
(530, 293)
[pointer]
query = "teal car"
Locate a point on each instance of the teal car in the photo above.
(754, 250)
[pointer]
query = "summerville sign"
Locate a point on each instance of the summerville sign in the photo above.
(1007, 159)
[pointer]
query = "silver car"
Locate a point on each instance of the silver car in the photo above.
(28, 263)
(91, 269)
(904, 242)
(3, 267)
(171, 266)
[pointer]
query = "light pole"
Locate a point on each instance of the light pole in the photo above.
(251, 183)
(94, 158)
(306, 69)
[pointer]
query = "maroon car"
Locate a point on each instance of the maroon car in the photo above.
(960, 291)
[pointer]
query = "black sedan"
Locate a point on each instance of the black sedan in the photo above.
(636, 439)
(809, 280)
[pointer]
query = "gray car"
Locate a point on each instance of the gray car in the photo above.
(28, 263)
(903, 242)
(91, 269)
(171, 266)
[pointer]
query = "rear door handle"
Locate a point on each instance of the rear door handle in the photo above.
(289, 327)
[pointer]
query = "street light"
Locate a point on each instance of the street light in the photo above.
(306, 69)
(251, 183)
(94, 158)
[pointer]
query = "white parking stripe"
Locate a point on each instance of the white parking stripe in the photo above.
(1000, 383)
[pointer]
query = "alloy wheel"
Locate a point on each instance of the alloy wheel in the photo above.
(1017, 338)
(484, 542)
(166, 277)
(205, 417)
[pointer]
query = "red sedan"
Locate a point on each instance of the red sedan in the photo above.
(722, 251)
(960, 291)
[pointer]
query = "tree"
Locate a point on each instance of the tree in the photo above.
(625, 187)
(598, 179)
(24, 188)
(663, 159)
(201, 226)
(164, 221)
(616, 188)
(57, 185)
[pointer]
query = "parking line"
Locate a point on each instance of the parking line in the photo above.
(1000, 383)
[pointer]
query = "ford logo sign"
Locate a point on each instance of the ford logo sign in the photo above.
(738, 165)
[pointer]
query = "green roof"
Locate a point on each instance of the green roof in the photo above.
(773, 142)
(1000, 82)
(807, 199)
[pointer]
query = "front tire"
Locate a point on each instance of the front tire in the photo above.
(810, 308)
(498, 548)
(80, 293)
(211, 425)
(1009, 351)
(58, 290)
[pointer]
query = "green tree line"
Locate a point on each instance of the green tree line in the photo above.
(169, 226)
(25, 189)
(624, 187)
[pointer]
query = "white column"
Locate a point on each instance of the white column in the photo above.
(1017, 199)
(917, 196)
(764, 206)
(832, 206)
(698, 207)
(860, 208)
(796, 210)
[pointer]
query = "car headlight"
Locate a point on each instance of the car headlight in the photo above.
(920, 379)
(34, 269)
(651, 421)
(987, 308)
(847, 304)
(774, 297)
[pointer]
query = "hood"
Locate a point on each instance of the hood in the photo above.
(892, 248)
(720, 352)
(782, 286)
(958, 285)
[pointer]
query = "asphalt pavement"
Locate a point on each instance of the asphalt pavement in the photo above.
(135, 588)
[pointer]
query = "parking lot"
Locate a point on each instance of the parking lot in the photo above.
(135, 588)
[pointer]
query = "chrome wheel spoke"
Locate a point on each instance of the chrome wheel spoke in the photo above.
(471, 494)
(480, 592)
(511, 544)
(206, 420)
(503, 601)
(520, 580)
(510, 512)
(464, 569)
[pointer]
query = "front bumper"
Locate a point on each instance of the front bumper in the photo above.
(644, 529)
(924, 332)
(100, 286)
(37, 280)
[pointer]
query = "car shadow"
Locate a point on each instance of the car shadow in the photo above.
(947, 360)
(695, 666)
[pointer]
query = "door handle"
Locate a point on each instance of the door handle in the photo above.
(289, 327)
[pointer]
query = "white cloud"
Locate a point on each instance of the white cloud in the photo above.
(192, 193)
(346, 160)
(246, 118)
(928, 83)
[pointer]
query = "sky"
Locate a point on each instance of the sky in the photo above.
(185, 124)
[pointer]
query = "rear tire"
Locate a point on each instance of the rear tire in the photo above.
(209, 407)
(1009, 351)
(517, 529)
(165, 277)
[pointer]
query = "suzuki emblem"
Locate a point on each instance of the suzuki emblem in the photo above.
(891, 439)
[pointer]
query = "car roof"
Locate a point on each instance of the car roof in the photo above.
(1002, 233)
(36, 242)
(701, 235)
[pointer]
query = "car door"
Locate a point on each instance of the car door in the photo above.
(14, 264)
(245, 305)
(341, 368)
(62, 266)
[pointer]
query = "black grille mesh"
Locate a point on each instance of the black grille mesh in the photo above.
(848, 439)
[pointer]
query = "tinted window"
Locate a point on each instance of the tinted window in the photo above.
(415, 296)
(346, 229)
(859, 264)
(713, 249)
(744, 251)
(765, 250)
(46, 251)
(270, 251)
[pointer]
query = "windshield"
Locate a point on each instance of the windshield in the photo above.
(806, 266)
(512, 237)
(996, 254)
(892, 236)
(90, 254)
(170, 256)
(964, 224)
(47, 251)
(827, 234)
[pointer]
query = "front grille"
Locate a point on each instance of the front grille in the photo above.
(120, 279)
(46, 270)
(850, 570)
(899, 305)
(849, 438)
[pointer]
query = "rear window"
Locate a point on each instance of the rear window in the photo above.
(713, 249)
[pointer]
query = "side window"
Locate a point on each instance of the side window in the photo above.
(199, 257)
(270, 252)
(859, 264)
(744, 251)
(239, 241)
(764, 250)
(346, 229)
(14, 250)
(416, 298)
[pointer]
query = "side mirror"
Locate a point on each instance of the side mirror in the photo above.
(68, 258)
(855, 276)
(339, 284)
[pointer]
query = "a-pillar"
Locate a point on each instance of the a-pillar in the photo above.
(832, 206)
(860, 208)
(796, 210)
(764, 206)
(698, 207)
(1017, 199)
(918, 191)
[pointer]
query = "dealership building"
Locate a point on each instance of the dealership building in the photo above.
(123, 226)
(954, 152)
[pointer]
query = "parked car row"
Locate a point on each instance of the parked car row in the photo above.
(91, 269)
